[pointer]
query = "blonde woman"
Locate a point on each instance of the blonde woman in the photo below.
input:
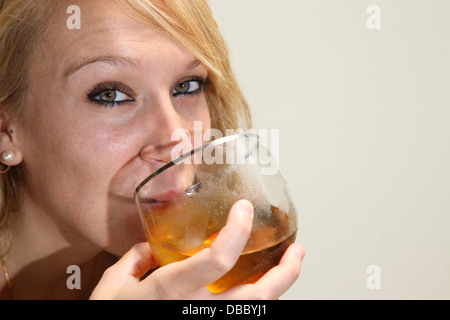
(84, 109)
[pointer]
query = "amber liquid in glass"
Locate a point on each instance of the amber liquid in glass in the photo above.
(178, 230)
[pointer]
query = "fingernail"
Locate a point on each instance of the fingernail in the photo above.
(247, 207)
(299, 251)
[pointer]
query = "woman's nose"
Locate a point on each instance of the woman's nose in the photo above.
(168, 135)
(162, 152)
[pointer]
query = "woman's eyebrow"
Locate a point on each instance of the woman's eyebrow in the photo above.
(193, 64)
(115, 60)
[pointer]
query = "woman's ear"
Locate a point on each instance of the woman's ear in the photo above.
(10, 154)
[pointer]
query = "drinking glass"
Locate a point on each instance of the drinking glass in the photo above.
(185, 204)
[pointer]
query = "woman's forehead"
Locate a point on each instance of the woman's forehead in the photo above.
(110, 37)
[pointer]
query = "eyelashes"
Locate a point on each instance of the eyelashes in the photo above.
(189, 86)
(111, 94)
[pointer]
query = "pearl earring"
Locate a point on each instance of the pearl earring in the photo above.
(8, 156)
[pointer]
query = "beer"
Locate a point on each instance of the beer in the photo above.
(179, 229)
(184, 205)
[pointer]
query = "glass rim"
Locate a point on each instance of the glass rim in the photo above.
(189, 154)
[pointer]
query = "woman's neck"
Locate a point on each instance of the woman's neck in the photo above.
(44, 262)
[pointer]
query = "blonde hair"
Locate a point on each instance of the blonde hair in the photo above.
(189, 22)
(21, 22)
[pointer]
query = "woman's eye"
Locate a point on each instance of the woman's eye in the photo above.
(112, 96)
(188, 87)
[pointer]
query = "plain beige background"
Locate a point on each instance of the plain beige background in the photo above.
(364, 119)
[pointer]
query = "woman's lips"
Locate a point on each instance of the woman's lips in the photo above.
(167, 196)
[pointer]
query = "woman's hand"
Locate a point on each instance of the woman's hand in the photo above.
(188, 279)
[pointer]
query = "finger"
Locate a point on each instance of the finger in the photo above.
(280, 278)
(135, 263)
(234, 236)
(275, 282)
(212, 263)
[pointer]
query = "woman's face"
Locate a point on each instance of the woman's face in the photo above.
(104, 102)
